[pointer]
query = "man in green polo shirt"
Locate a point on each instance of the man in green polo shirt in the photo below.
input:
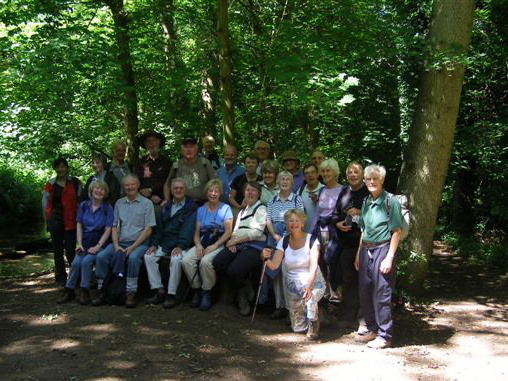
(381, 225)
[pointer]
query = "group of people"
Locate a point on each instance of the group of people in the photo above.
(295, 230)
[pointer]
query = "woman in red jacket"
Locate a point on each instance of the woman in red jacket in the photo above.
(60, 203)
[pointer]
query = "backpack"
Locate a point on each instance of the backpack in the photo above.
(285, 241)
(114, 289)
(404, 209)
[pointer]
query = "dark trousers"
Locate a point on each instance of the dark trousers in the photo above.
(62, 240)
(376, 291)
(238, 266)
(349, 281)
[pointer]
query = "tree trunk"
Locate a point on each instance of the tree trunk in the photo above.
(128, 82)
(225, 72)
(168, 31)
(428, 150)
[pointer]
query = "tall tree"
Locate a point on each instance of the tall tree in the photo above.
(430, 143)
(121, 22)
(225, 68)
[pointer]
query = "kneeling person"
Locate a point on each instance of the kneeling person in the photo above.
(174, 234)
(134, 218)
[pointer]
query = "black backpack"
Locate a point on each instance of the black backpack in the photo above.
(285, 241)
(114, 289)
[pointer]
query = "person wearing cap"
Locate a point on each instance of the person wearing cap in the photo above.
(210, 152)
(154, 168)
(291, 163)
(195, 170)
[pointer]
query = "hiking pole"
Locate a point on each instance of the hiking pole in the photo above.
(191, 281)
(259, 292)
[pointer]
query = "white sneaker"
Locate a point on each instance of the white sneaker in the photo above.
(379, 343)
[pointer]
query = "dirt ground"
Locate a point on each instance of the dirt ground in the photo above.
(461, 333)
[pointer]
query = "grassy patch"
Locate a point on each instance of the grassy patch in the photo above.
(27, 266)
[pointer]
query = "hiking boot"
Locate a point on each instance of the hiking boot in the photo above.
(379, 343)
(130, 300)
(170, 302)
(244, 306)
(84, 297)
(279, 313)
(158, 298)
(68, 296)
(365, 337)
(206, 301)
(196, 298)
(99, 299)
(313, 330)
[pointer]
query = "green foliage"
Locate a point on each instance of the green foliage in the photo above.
(490, 250)
(20, 197)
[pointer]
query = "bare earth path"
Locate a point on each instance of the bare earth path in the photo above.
(460, 334)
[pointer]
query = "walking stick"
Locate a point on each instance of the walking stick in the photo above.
(259, 292)
(191, 281)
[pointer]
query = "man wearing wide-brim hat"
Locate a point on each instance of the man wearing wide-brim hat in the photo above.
(291, 163)
(153, 168)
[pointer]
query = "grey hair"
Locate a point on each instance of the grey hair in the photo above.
(285, 174)
(330, 164)
(131, 176)
(374, 168)
(178, 180)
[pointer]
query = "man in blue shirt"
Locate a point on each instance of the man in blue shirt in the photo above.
(230, 170)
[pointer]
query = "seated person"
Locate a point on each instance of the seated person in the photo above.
(134, 219)
(240, 257)
(196, 171)
(229, 170)
(214, 225)
(237, 186)
(94, 222)
(153, 168)
(173, 235)
(99, 164)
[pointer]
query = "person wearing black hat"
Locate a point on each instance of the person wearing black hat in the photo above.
(154, 168)
(195, 170)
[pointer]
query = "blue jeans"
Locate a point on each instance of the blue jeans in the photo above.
(82, 266)
(106, 257)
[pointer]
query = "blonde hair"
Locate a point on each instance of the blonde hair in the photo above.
(98, 183)
(297, 212)
(214, 183)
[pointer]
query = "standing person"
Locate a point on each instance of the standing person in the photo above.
(119, 166)
(94, 222)
(229, 170)
(276, 227)
(323, 225)
(269, 187)
(310, 193)
(153, 168)
(210, 153)
(347, 213)
(317, 157)
(196, 171)
(173, 235)
(60, 205)
(381, 224)
(236, 193)
(304, 285)
(213, 228)
(263, 151)
(291, 163)
(99, 164)
(134, 219)
(240, 257)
